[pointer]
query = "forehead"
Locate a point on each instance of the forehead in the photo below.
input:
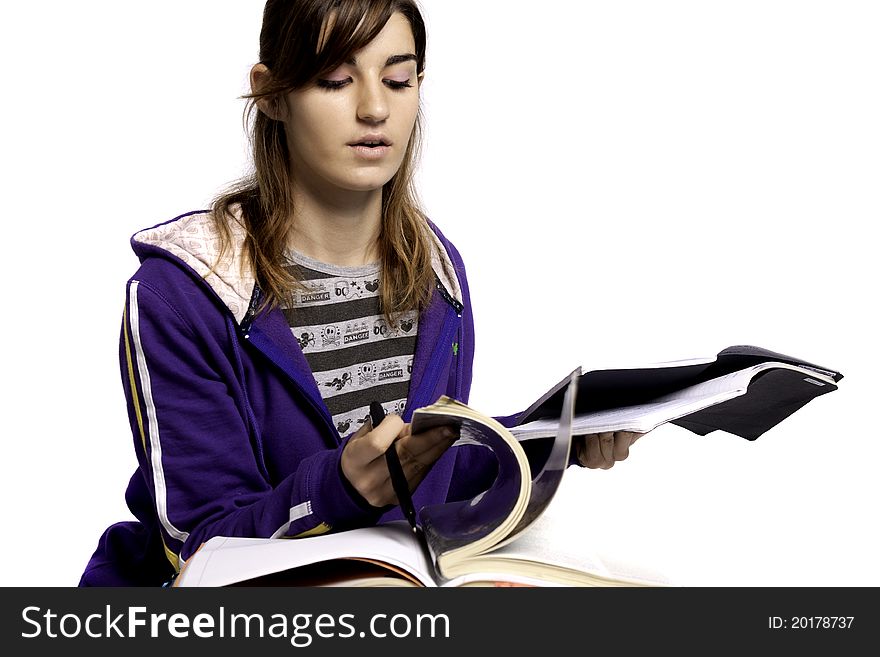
(395, 38)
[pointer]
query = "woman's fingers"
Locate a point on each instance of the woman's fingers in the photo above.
(429, 445)
(419, 452)
(602, 450)
(622, 442)
(592, 452)
(365, 466)
(363, 460)
(373, 444)
(606, 448)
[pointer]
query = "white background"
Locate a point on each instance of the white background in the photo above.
(629, 182)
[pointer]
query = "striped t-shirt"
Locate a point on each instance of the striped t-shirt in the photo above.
(355, 356)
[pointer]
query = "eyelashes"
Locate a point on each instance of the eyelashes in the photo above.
(331, 84)
(394, 84)
(334, 85)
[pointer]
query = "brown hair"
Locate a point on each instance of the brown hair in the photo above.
(289, 40)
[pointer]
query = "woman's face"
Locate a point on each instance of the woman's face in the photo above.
(333, 128)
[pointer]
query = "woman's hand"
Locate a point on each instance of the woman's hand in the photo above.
(363, 459)
(603, 450)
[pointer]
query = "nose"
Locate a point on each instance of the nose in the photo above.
(373, 104)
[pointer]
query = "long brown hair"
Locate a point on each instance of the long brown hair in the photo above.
(289, 47)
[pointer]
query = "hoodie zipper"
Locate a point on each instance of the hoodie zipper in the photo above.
(247, 322)
(246, 328)
(443, 343)
(457, 364)
(266, 347)
(456, 305)
(258, 440)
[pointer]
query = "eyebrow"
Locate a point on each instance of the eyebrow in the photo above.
(391, 61)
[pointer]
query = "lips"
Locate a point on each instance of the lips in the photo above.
(371, 141)
(371, 147)
(370, 153)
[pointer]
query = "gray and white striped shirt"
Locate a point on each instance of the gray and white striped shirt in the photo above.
(355, 356)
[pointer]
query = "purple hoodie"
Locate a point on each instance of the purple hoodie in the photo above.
(231, 433)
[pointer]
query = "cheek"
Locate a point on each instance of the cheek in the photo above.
(410, 109)
(408, 112)
(314, 128)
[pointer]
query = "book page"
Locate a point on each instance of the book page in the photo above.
(603, 389)
(223, 561)
(544, 556)
(647, 416)
(469, 526)
(546, 482)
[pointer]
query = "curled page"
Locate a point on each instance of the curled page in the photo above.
(471, 526)
(546, 482)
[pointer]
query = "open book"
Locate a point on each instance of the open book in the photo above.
(490, 540)
(743, 390)
(498, 538)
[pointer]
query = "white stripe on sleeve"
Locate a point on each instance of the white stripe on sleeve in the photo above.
(153, 426)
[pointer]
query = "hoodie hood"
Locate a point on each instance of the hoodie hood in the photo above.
(192, 239)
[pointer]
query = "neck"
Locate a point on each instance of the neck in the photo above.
(342, 230)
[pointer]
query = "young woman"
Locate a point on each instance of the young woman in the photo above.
(257, 333)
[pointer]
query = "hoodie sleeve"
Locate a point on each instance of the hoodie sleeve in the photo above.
(197, 447)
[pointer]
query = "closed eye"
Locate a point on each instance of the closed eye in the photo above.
(397, 84)
(333, 85)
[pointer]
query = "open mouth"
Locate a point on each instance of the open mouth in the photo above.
(371, 147)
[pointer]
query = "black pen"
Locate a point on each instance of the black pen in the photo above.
(398, 478)
(401, 487)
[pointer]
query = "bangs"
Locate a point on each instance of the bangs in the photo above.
(348, 27)
(318, 36)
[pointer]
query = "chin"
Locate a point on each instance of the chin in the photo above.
(366, 183)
